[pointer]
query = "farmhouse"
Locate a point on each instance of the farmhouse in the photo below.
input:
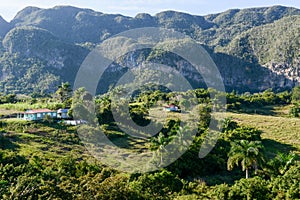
(171, 108)
(37, 114)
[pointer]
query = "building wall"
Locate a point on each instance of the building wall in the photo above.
(39, 116)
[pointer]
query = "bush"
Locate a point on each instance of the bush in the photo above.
(252, 188)
(159, 185)
(294, 111)
(288, 185)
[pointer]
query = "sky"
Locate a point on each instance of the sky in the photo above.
(9, 8)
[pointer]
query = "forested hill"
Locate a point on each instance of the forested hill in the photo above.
(255, 49)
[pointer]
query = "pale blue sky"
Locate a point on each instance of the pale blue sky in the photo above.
(9, 8)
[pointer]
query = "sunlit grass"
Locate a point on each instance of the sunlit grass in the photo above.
(9, 107)
(283, 130)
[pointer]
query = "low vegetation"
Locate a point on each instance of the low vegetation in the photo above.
(256, 156)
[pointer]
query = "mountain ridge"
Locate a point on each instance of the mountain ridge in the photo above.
(54, 36)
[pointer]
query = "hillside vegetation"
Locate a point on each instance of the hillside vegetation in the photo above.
(49, 159)
(254, 49)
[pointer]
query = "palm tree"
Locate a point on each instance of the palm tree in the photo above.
(159, 144)
(181, 138)
(228, 124)
(281, 163)
(245, 153)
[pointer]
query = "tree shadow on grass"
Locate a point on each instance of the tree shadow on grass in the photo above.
(53, 124)
(266, 110)
(250, 110)
(272, 148)
(121, 139)
(7, 142)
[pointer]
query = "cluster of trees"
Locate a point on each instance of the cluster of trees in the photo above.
(257, 100)
(10, 98)
(295, 109)
(245, 102)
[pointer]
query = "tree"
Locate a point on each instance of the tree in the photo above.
(296, 94)
(282, 162)
(287, 186)
(204, 112)
(252, 188)
(245, 153)
(161, 141)
(294, 111)
(158, 185)
(244, 133)
(228, 124)
(64, 92)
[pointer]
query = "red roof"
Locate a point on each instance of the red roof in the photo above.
(170, 106)
(38, 111)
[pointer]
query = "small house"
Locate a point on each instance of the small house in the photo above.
(38, 114)
(171, 108)
(63, 114)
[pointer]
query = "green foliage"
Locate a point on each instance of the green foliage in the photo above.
(245, 153)
(159, 185)
(244, 133)
(281, 163)
(296, 94)
(40, 160)
(294, 111)
(228, 125)
(103, 110)
(36, 59)
(287, 186)
(3, 188)
(10, 98)
(138, 114)
(204, 112)
(257, 44)
(64, 93)
(26, 75)
(252, 188)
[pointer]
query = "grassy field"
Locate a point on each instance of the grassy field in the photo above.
(279, 133)
(47, 141)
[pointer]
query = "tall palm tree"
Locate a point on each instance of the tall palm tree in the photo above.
(245, 153)
(181, 138)
(159, 144)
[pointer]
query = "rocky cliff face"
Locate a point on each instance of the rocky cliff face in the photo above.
(254, 49)
(290, 76)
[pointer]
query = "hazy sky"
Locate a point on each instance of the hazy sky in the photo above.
(9, 8)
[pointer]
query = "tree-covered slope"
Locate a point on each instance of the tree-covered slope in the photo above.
(85, 25)
(275, 46)
(277, 42)
(82, 25)
(233, 22)
(254, 49)
(37, 61)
